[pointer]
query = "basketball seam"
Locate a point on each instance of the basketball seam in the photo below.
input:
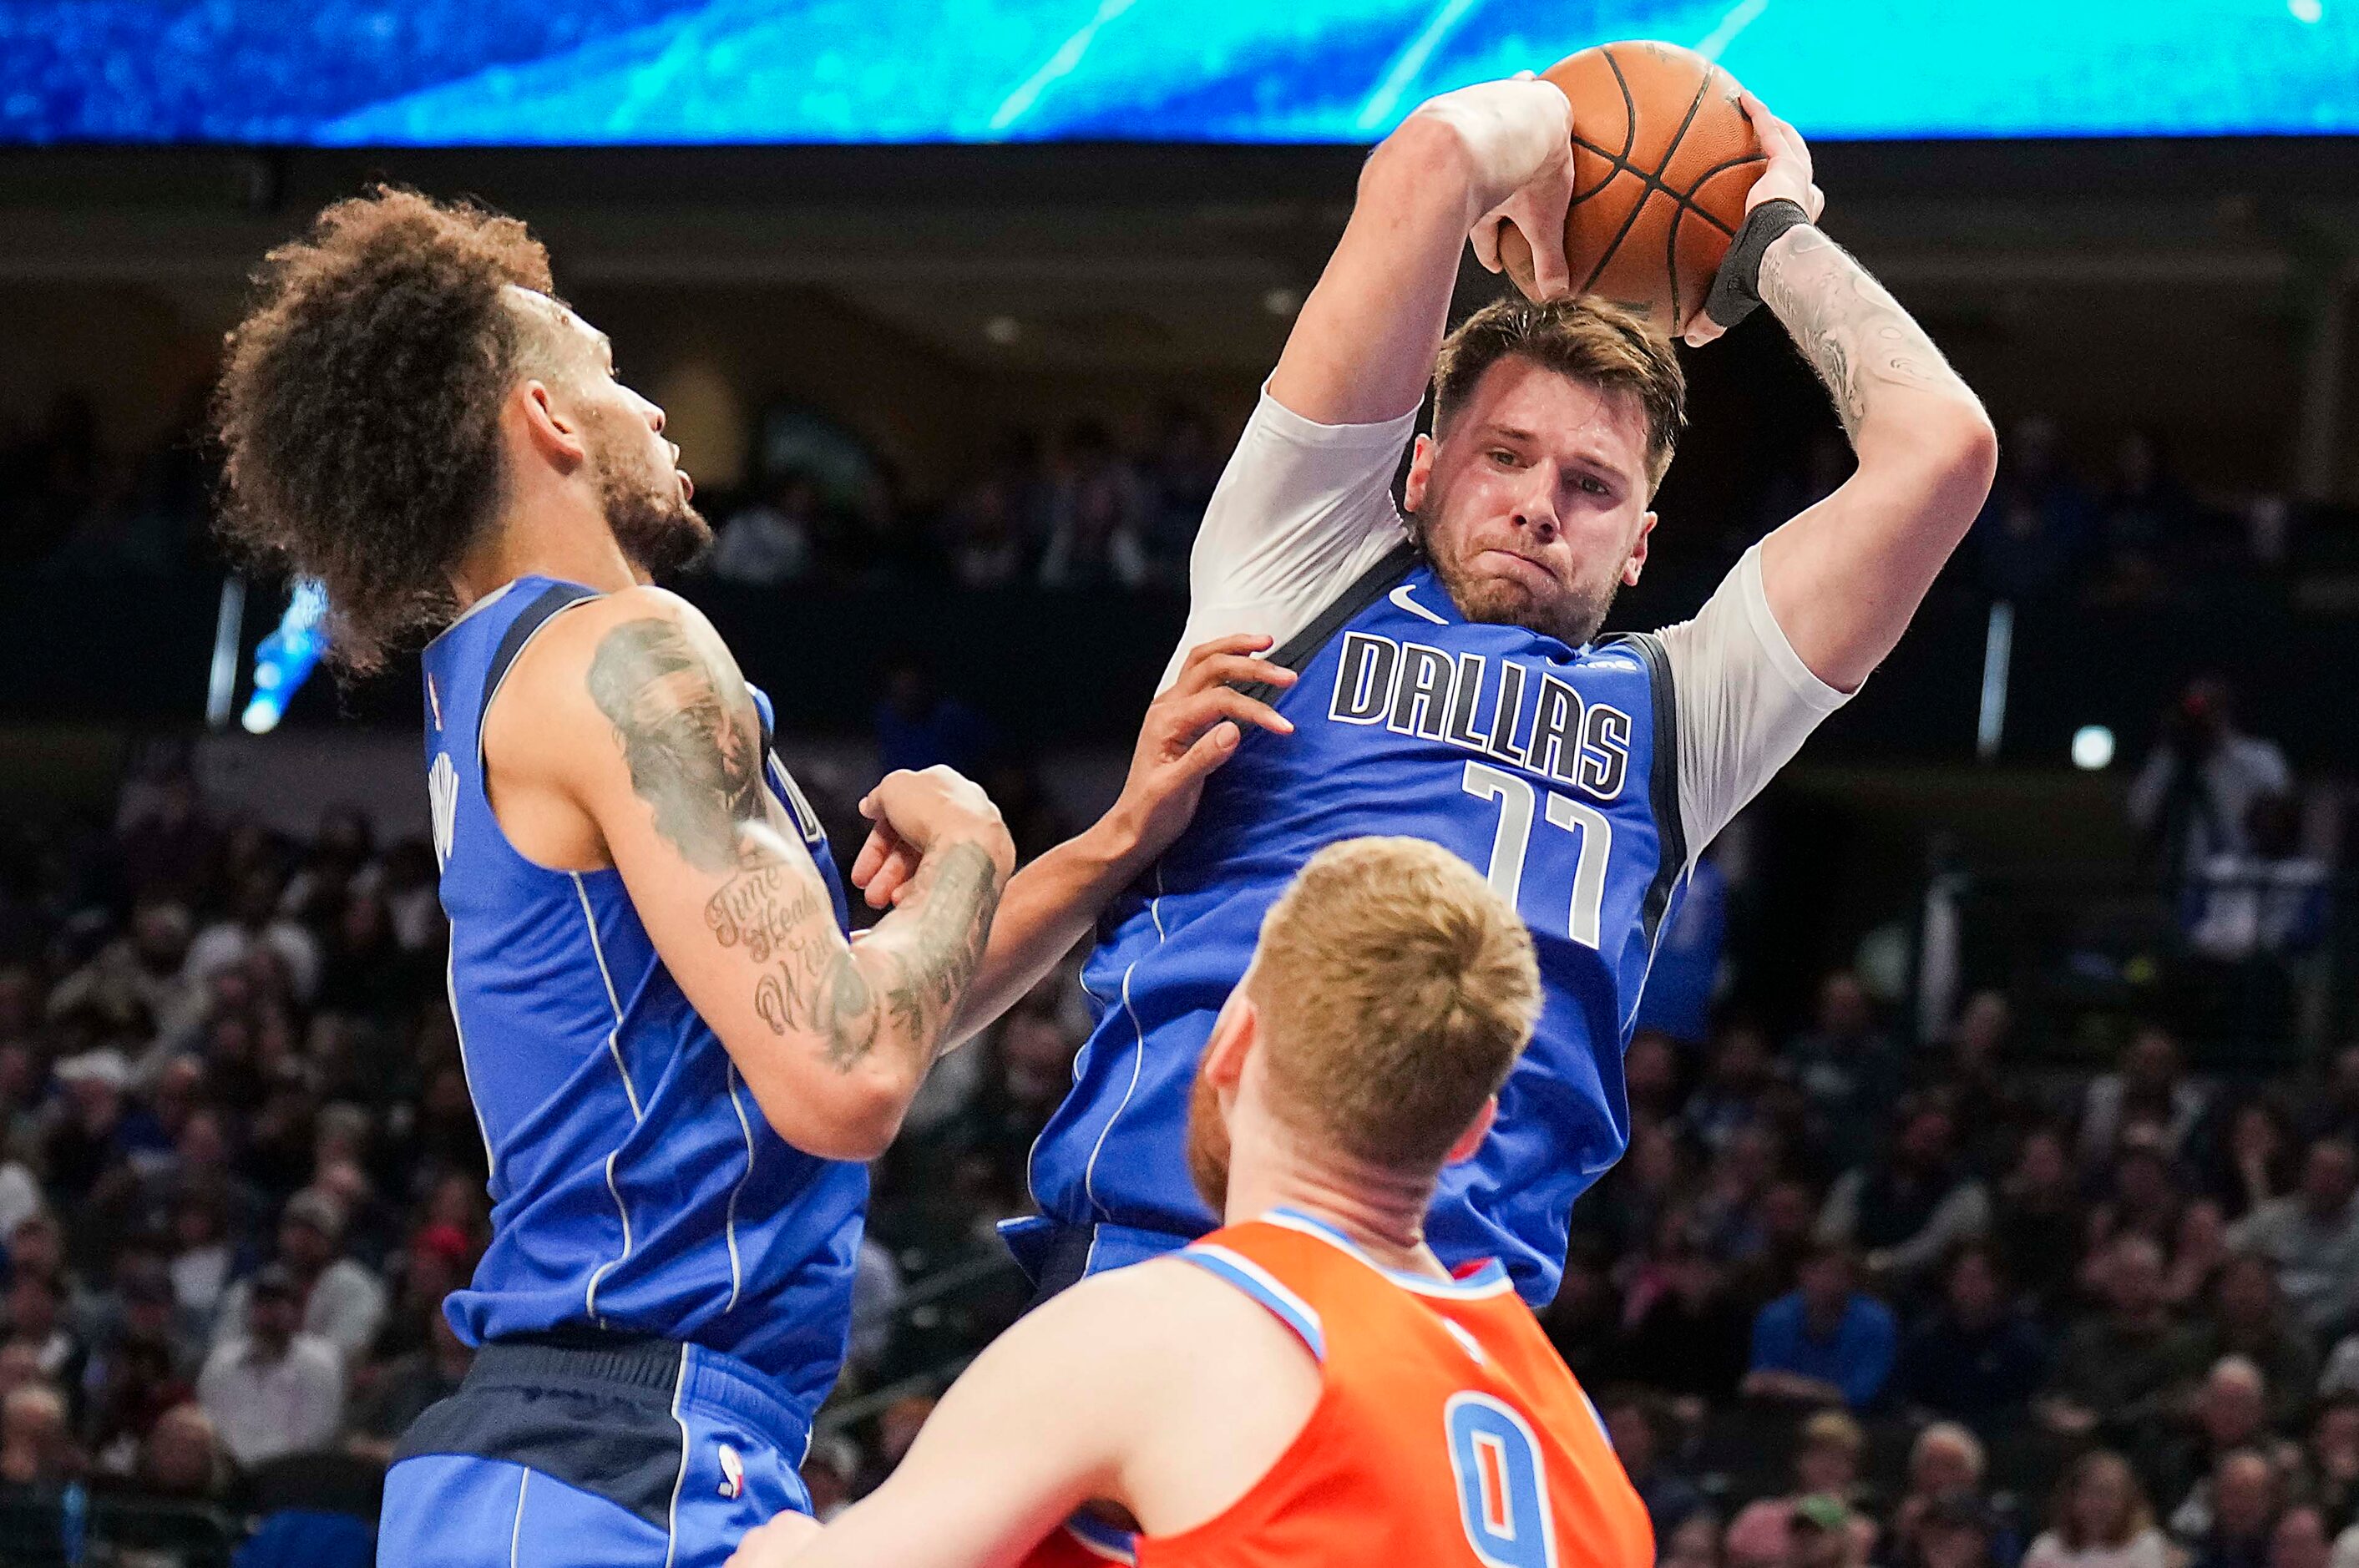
(1671, 148)
(1654, 183)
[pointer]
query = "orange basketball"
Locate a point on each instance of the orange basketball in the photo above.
(1662, 158)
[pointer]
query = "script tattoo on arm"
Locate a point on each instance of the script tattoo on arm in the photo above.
(1855, 335)
(901, 988)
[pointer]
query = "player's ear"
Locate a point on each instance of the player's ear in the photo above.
(1421, 475)
(554, 431)
(1233, 1035)
(1476, 1131)
(1637, 563)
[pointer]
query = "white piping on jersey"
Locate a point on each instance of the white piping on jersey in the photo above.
(1138, 1056)
(729, 1229)
(485, 603)
(671, 1517)
(590, 1296)
(1489, 1280)
(475, 1103)
(1107, 1544)
(1400, 597)
(598, 950)
(516, 1531)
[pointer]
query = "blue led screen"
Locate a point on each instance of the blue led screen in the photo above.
(462, 72)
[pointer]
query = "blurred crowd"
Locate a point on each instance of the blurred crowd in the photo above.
(1084, 508)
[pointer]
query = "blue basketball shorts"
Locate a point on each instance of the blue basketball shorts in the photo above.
(614, 1454)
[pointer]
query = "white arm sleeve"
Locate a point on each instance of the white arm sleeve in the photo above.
(1746, 700)
(1301, 512)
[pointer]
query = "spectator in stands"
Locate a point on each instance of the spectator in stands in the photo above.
(2116, 1368)
(2142, 1196)
(2331, 1466)
(1977, 1359)
(2149, 1089)
(1730, 1096)
(1179, 476)
(1946, 1462)
(2330, 1109)
(769, 544)
(1639, 1425)
(342, 1303)
(37, 1445)
(254, 923)
(2143, 522)
(1690, 1338)
(1847, 1068)
(2312, 1236)
(273, 1389)
(1651, 1075)
(2229, 1525)
(404, 1387)
(2230, 1416)
(989, 536)
(1958, 1530)
(2198, 1252)
(1783, 1230)
(1910, 1209)
(1097, 521)
(1827, 1343)
(2032, 535)
(2100, 1519)
(1972, 1078)
(2253, 1162)
(2040, 1226)
(2268, 900)
(2195, 794)
(2302, 1539)
(37, 1320)
(2249, 1320)
(183, 1459)
(1696, 1543)
(95, 1126)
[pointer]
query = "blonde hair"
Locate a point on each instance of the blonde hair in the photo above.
(1396, 991)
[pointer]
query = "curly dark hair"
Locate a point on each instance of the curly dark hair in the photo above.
(358, 409)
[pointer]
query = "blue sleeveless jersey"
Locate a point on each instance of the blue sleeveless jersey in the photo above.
(635, 1186)
(1549, 768)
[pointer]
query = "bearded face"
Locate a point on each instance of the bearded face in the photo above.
(645, 499)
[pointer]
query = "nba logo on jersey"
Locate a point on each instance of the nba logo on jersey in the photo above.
(733, 1473)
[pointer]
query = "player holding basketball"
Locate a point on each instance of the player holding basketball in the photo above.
(1451, 684)
(1308, 1385)
(677, 1058)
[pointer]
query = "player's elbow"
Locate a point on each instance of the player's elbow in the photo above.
(1426, 156)
(851, 1114)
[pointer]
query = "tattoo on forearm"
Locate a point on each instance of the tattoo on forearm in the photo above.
(812, 984)
(1854, 334)
(689, 736)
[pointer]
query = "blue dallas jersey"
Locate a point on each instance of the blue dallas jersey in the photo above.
(1549, 768)
(635, 1186)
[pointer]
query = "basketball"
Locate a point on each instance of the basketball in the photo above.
(1662, 159)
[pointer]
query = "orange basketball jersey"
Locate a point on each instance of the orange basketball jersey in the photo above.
(1447, 1433)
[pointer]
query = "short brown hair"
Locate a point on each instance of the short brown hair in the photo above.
(1589, 339)
(359, 406)
(1396, 991)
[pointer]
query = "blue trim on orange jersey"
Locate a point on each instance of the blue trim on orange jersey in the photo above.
(1486, 1278)
(1105, 1540)
(1262, 1286)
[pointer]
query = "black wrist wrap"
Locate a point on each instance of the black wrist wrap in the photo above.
(1736, 290)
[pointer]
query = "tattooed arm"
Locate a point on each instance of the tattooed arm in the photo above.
(651, 731)
(1844, 577)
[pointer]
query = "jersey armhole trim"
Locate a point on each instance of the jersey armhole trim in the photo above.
(1236, 1269)
(1370, 586)
(1662, 777)
(527, 624)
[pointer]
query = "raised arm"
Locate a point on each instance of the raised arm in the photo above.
(1363, 347)
(1845, 576)
(641, 718)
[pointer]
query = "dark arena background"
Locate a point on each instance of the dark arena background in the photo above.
(2031, 980)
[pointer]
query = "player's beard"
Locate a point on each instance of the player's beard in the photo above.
(659, 531)
(1571, 615)
(1208, 1146)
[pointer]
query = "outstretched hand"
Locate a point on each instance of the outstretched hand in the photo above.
(1192, 728)
(1786, 176)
